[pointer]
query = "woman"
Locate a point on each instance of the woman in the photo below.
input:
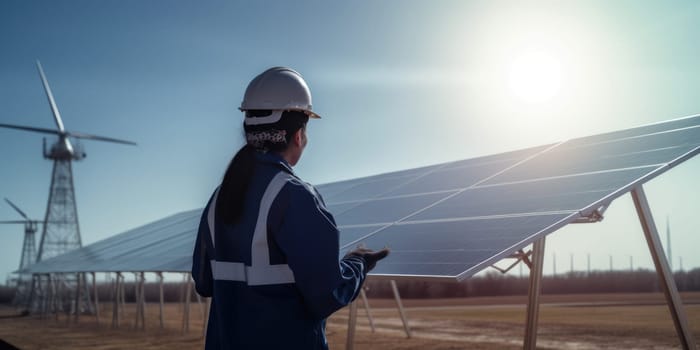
(267, 248)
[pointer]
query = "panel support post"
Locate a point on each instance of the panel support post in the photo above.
(160, 287)
(47, 297)
(137, 300)
(117, 299)
(139, 282)
(97, 299)
(122, 294)
(115, 294)
(57, 297)
(143, 300)
(52, 280)
(352, 322)
(397, 297)
(663, 269)
(186, 313)
(533, 304)
(369, 313)
(78, 289)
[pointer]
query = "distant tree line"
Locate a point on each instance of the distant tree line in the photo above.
(497, 284)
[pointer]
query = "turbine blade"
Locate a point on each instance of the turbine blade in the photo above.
(49, 95)
(13, 222)
(75, 134)
(31, 128)
(80, 135)
(16, 208)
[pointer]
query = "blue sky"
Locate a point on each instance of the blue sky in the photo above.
(400, 84)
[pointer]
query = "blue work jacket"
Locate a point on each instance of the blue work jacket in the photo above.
(275, 275)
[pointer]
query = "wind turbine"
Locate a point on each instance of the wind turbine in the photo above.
(61, 232)
(28, 257)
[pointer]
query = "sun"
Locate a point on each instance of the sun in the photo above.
(534, 77)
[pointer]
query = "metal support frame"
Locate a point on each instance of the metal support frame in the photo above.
(37, 296)
(186, 313)
(160, 287)
(533, 305)
(49, 301)
(51, 304)
(54, 305)
(367, 309)
(122, 294)
(519, 256)
(595, 215)
(397, 297)
(57, 304)
(352, 322)
(76, 304)
(42, 293)
(668, 284)
(33, 296)
(117, 299)
(65, 296)
(139, 282)
(40, 296)
(143, 300)
(97, 298)
(137, 301)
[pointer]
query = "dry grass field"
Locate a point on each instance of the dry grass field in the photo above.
(604, 321)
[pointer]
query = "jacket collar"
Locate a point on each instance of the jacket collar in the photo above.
(274, 159)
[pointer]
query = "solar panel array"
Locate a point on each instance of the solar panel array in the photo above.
(452, 220)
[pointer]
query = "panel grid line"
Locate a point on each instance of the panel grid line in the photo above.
(454, 194)
(631, 137)
(377, 196)
(539, 179)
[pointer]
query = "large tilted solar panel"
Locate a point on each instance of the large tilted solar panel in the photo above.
(476, 226)
(443, 221)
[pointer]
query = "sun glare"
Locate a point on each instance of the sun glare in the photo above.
(534, 77)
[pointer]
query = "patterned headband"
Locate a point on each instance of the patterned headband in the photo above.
(257, 139)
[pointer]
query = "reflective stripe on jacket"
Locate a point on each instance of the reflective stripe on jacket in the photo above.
(274, 276)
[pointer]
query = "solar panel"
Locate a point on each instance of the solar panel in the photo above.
(144, 248)
(442, 221)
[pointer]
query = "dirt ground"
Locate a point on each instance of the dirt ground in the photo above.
(602, 321)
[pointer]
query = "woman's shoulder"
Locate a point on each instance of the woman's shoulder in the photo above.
(299, 186)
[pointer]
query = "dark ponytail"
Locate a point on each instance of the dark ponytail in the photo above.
(231, 199)
(229, 205)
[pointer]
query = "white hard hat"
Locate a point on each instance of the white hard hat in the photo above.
(278, 89)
